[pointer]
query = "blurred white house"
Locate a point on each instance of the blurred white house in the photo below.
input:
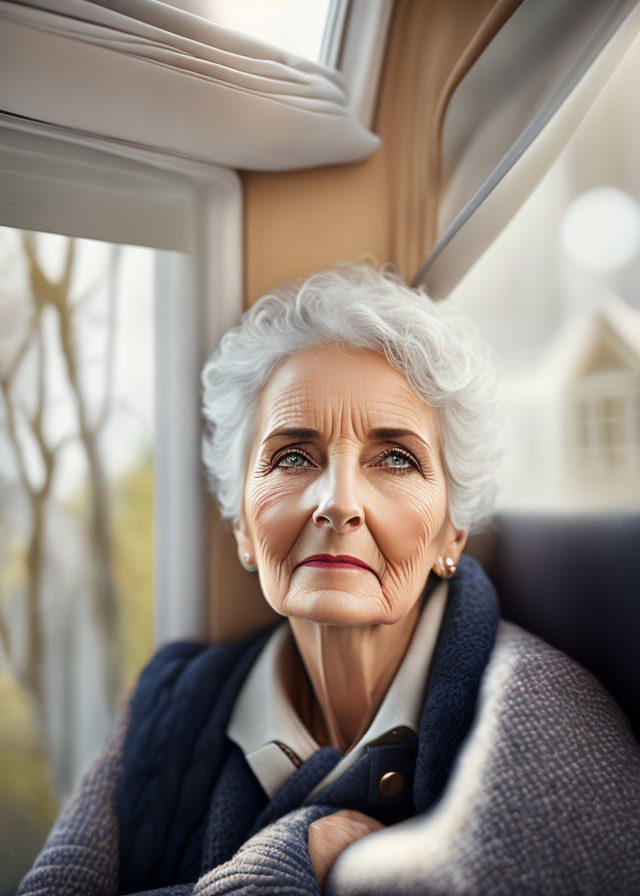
(576, 416)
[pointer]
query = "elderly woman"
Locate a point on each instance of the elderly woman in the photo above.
(351, 442)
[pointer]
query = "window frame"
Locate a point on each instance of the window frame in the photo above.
(354, 43)
(206, 263)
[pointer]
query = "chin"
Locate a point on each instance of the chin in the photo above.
(335, 607)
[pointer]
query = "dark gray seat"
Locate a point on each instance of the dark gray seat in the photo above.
(575, 582)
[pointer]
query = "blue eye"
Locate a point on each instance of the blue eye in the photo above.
(401, 461)
(296, 460)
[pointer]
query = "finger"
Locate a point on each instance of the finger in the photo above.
(330, 835)
(353, 824)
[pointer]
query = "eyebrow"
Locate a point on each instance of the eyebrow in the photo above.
(382, 432)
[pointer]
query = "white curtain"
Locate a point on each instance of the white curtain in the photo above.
(145, 74)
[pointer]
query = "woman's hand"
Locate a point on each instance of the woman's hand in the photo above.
(328, 836)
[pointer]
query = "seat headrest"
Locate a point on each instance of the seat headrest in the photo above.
(575, 582)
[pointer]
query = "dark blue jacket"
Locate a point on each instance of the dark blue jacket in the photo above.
(187, 800)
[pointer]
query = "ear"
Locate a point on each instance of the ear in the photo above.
(244, 541)
(455, 545)
(450, 545)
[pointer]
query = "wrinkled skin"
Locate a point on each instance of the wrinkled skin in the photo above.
(346, 488)
(344, 492)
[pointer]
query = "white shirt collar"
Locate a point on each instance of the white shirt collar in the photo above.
(267, 729)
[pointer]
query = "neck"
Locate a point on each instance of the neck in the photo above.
(350, 669)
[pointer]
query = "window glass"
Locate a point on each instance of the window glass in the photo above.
(76, 500)
(558, 296)
(294, 25)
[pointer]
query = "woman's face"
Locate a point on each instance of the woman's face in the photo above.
(345, 461)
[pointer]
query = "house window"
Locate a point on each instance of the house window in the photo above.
(604, 430)
(76, 515)
(581, 427)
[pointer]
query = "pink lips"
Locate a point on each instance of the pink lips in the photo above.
(331, 561)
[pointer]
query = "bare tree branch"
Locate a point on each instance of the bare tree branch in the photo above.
(46, 291)
(12, 369)
(12, 430)
(107, 399)
(36, 421)
(65, 281)
(102, 594)
(56, 294)
(28, 244)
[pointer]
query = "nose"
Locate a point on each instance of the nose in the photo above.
(338, 504)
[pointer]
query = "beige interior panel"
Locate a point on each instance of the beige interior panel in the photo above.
(297, 222)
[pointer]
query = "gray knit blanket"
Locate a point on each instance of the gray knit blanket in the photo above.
(544, 798)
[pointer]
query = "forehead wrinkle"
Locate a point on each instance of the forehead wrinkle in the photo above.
(390, 407)
(387, 397)
(295, 402)
(285, 406)
(407, 418)
(348, 414)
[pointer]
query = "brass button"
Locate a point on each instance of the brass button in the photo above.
(391, 783)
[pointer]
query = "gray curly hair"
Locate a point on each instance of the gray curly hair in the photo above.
(434, 345)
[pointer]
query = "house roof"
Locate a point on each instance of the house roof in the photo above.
(605, 338)
(624, 322)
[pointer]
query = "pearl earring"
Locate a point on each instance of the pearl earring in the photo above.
(247, 562)
(446, 567)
